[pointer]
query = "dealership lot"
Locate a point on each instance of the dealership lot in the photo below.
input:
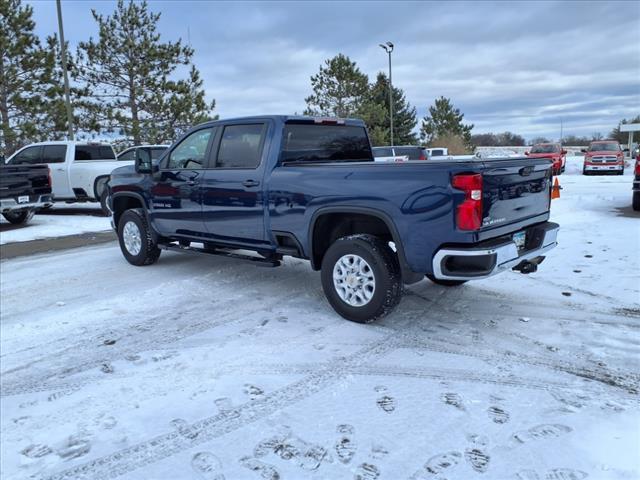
(197, 367)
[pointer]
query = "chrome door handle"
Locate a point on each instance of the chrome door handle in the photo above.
(250, 183)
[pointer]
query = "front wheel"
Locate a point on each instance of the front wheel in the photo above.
(445, 283)
(19, 217)
(361, 278)
(136, 241)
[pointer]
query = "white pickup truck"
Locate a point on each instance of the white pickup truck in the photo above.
(79, 170)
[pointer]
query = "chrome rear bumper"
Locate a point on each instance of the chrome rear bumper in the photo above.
(476, 262)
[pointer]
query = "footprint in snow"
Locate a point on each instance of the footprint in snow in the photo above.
(36, 450)
(439, 463)
(498, 415)
(453, 399)
(366, 471)
(253, 391)
(207, 465)
(386, 402)
(224, 404)
(478, 459)
(541, 432)
(74, 447)
(266, 471)
(553, 474)
(345, 446)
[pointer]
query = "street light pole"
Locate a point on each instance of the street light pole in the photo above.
(63, 54)
(388, 47)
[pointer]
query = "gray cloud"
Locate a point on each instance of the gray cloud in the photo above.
(508, 66)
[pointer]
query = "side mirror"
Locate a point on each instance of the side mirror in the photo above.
(526, 153)
(143, 162)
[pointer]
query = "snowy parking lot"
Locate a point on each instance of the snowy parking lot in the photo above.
(208, 368)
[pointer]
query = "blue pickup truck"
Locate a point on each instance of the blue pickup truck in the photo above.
(309, 188)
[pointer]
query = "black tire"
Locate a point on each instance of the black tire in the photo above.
(384, 268)
(636, 201)
(621, 172)
(19, 217)
(445, 283)
(585, 172)
(149, 251)
(103, 203)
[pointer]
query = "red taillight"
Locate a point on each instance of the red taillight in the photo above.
(637, 169)
(49, 176)
(469, 212)
(422, 157)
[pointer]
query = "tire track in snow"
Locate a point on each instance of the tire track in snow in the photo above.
(162, 446)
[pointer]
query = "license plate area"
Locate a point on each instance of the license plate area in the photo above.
(23, 199)
(520, 239)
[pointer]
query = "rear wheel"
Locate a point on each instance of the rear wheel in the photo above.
(19, 217)
(361, 278)
(636, 201)
(445, 283)
(136, 241)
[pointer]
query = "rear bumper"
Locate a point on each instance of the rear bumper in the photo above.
(34, 202)
(493, 256)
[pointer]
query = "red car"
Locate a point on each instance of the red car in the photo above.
(636, 185)
(603, 156)
(553, 151)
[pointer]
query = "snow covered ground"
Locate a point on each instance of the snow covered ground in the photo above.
(208, 368)
(58, 221)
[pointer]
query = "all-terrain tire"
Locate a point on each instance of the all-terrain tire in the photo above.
(445, 283)
(383, 267)
(636, 201)
(148, 252)
(19, 217)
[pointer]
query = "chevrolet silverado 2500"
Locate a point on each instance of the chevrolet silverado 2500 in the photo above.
(309, 188)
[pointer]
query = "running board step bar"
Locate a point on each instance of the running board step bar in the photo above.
(257, 261)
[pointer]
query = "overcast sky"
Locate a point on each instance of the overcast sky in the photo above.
(518, 66)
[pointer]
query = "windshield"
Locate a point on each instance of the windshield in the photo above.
(604, 147)
(545, 149)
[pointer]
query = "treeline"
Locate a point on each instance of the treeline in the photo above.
(125, 82)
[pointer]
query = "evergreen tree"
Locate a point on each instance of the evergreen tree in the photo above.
(25, 72)
(623, 137)
(339, 89)
(131, 71)
(375, 112)
(444, 120)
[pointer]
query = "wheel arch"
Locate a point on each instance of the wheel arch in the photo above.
(317, 246)
(96, 182)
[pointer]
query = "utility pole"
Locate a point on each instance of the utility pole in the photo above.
(65, 73)
(388, 47)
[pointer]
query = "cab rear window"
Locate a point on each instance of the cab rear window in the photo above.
(94, 152)
(325, 143)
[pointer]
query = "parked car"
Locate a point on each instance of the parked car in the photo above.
(155, 151)
(437, 152)
(603, 156)
(310, 188)
(399, 153)
(636, 184)
(554, 151)
(24, 189)
(79, 170)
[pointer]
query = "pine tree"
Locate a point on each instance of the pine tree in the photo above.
(131, 72)
(444, 120)
(339, 88)
(375, 112)
(25, 72)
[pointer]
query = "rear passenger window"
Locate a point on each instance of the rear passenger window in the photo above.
(28, 156)
(54, 153)
(94, 152)
(382, 152)
(325, 143)
(241, 146)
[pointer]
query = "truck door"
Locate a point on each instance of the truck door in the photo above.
(56, 157)
(232, 189)
(176, 197)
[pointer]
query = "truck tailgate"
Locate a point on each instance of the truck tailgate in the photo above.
(515, 189)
